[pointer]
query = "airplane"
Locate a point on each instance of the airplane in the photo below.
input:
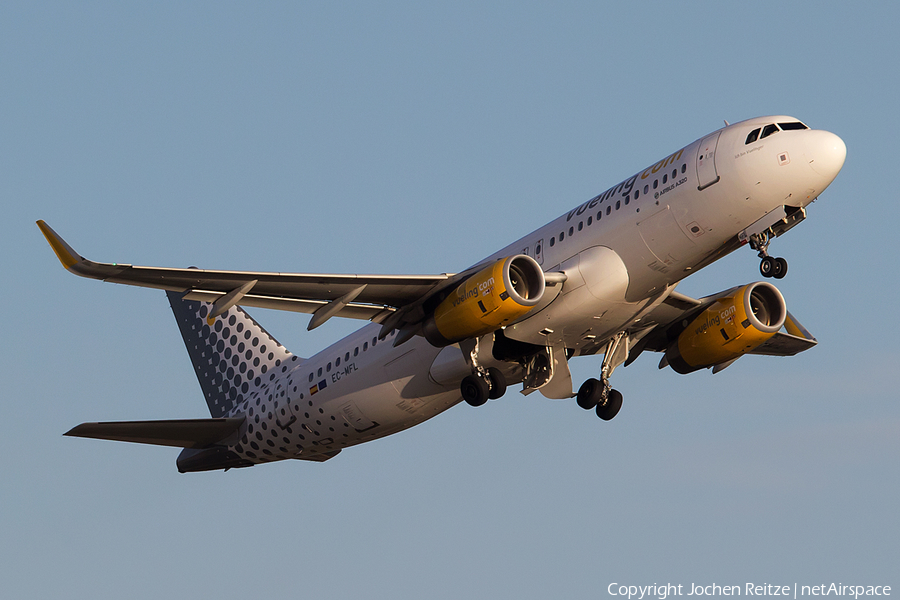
(599, 279)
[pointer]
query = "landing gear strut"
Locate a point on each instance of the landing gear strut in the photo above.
(598, 394)
(769, 266)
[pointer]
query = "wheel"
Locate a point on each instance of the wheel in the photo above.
(474, 390)
(498, 383)
(767, 266)
(780, 268)
(611, 408)
(589, 394)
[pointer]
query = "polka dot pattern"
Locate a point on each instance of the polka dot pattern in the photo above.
(234, 359)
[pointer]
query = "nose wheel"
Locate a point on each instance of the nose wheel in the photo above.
(773, 267)
(769, 266)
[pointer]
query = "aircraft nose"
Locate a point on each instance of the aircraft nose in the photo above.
(828, 155)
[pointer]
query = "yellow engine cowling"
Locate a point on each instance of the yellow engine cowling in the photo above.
(734, 324)
(491, 298)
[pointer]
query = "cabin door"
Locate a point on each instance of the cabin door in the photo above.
(706, 161)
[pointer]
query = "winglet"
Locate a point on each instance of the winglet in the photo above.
(64, 252)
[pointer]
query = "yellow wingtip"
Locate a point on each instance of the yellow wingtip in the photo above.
(68, 257)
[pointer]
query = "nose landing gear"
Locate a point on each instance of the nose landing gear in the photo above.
(773, 267)
(769, 266)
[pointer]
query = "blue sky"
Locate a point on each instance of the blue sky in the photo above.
(406, 138)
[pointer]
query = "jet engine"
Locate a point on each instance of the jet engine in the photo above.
(491, 298)
(735, 323)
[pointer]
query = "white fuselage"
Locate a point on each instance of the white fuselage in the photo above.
(619, 250)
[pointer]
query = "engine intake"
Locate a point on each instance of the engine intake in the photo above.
(736, 323)
(491, 298)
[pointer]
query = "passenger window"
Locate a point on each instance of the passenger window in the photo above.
(590, 220)
(665, 178)
(753, 136)
(618, 204)
(356, 351)
(580, 225)
(562, 235)
(637, 194)
(552, 242)
(768, 130)
(571, 231)
(608, 209)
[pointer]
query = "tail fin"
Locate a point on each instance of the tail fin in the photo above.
(232, 358)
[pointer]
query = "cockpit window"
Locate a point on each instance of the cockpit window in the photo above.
(790, 126)
(769, 130)
(754, 135)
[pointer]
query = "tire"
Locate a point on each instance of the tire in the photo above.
(589, 394)
(498, 383)
(474, 390)
(612, 406)
(767, 266)
(781, 267)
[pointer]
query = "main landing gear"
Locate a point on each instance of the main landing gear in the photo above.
(481, 386)
(769, 266)
(598, 394)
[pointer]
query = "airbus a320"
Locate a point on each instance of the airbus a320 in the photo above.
(600, 279)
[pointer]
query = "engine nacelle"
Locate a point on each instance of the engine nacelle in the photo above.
(734, 324)
(491, 298)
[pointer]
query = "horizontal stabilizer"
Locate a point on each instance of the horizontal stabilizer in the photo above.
(182, 433)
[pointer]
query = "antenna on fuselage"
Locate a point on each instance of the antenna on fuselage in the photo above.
(726, 122)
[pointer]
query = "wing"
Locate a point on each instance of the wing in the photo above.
(656, 327)
(369, 297)
(794, 340)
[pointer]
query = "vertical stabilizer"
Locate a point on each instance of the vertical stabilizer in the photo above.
(233, 357)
